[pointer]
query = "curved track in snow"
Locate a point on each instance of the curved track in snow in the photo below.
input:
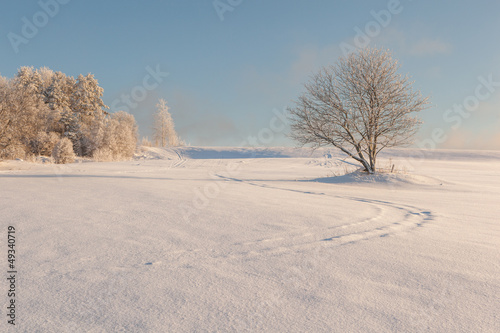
(391, 219)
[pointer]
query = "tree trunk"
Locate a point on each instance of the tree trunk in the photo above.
(368, 167)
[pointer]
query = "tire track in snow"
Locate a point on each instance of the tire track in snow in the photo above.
(181, 161)
(410, 218)
(381, 225)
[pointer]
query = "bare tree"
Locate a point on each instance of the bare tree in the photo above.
(360, 106)
(163, 130)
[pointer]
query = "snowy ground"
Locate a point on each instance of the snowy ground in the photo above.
(262, 240)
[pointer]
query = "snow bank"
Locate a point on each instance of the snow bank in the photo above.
(381, 178)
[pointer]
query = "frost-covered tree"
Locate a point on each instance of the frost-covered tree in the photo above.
(46, 75)
(44, 143)
(63, 152)
(360, 106)
(60, 91)
(29, 79)
(87, 99)
(9, 146)
(125, 132)
(39, 107)
(58, 95)
(23, 113)
(4, 109)
(119, 139)
(72, 130)
(27, 100)
(163, 129)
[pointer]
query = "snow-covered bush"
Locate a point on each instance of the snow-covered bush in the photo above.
(103, 155)
(125, 132)
(119, 139)
(13, 151)
(43, 144)
(92, 137)
(63, 152)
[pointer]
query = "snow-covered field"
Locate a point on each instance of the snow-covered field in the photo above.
(255, 240)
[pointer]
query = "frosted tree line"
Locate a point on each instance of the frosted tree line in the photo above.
(47, 113)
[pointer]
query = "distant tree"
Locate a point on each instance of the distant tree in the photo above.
(163, 129)
(360, 106)
(145, 142)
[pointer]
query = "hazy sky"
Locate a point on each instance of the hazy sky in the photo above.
(231, 64)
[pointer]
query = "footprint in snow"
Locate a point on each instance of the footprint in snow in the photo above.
(152, 263)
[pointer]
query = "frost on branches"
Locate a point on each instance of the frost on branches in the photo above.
(360, 106)
(118, 138)
(39, 107)
(164, 133)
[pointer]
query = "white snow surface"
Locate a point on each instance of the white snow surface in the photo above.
(255, 240)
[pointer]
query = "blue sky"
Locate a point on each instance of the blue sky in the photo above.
(225, 77)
